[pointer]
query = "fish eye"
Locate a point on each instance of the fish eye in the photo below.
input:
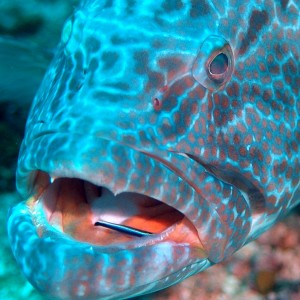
(213, 65)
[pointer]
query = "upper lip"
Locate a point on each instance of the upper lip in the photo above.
(253, 195)
(160, 155)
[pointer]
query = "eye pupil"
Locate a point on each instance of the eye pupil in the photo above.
(219, 65)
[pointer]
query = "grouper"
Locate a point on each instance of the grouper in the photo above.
(163, 138)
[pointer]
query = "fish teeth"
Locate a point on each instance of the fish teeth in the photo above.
(52, 179)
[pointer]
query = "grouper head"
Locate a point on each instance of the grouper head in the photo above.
(164, 136)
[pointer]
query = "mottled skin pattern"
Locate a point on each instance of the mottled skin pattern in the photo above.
(136, 100)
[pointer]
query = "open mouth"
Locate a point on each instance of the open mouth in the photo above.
(80, 210)
(128, 221)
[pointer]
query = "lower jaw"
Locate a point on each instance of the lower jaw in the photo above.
(60, 259)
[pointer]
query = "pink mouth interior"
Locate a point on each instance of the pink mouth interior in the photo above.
(73, 207)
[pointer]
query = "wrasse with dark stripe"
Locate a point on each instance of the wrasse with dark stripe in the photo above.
(123, 228)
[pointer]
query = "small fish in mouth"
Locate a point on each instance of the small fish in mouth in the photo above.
(164, 137)
(123, 228)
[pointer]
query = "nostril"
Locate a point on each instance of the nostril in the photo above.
(156, 104)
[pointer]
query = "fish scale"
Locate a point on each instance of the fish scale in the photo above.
(193, 103)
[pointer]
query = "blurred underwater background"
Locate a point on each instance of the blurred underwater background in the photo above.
(268, 268)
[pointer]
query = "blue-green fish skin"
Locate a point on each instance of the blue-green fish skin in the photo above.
(192, 103)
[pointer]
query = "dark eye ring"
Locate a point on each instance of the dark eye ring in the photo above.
(213, 66)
